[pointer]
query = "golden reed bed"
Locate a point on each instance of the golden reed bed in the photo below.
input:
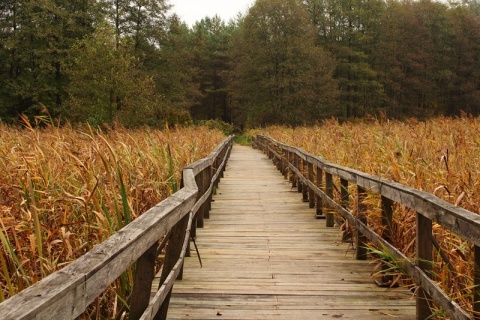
(64, 190)
(440, 156)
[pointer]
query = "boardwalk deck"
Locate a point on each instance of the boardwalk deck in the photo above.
(265, 256)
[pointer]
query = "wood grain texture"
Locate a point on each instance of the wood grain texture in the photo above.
(453, 218)
(265, 256)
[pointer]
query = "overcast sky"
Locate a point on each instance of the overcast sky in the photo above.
(191, 11)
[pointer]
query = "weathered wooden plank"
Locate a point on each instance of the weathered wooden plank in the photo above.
(265, 256)
(428, 207)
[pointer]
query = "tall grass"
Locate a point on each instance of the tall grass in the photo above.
(440, 156)
(64, 190)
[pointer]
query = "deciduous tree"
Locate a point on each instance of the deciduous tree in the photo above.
(281, 76)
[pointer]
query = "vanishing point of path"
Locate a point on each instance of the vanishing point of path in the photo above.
(265, 256)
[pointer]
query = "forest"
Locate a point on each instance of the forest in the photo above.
(291, 62)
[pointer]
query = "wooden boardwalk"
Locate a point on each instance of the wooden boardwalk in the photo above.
(265, 256)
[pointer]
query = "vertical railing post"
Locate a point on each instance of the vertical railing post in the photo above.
(476, 283)
(224, 155)
(289, 161)
(345, 201)
(294, 175)
(318, 199)
(207, 180)
(142, 286)
(424, 262)
(215, 166)
(201, 190)
(298, 162)
(174, 249)
(387, 220)
(330, 221)
(344, 193)
(311, 193)
(285, 163)
(305, 186)
(361, 241)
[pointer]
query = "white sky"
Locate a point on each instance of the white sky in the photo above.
(191, 11)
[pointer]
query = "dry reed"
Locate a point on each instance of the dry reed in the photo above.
(64, 190)
(440, 156)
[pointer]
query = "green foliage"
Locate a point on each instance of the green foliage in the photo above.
(244, 139)
(173, 69)
(349, 30)
(211, 38)
(38, 35)
(109, 84)
(285, 61)
(281, 76)
(219, 125)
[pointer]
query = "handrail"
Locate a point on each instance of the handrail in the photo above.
(66, 293)
(429, 209)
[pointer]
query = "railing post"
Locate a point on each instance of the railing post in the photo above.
(294, 175)
(424, 262)
(215, 166)
(305, 186)
(476, 283)
(345, 201)
(318, 199)
(311, 193)
(387, 220)
(174, 249)
(200, 179)
(285, 163)
(289, 160)
(344, 193)
(329, 191)
(142, 286)
(279, 161)
(206, 180)
(224, 155)
(298, 161)
(361, 250)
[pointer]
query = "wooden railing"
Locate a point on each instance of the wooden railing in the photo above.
(313, 177)
(65, 294)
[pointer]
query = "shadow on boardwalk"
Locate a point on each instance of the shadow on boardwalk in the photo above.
(265, 256)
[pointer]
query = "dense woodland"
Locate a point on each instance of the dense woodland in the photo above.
(283, 61)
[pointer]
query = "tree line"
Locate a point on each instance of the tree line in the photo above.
(284, 61)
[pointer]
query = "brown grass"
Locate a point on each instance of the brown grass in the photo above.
(440, 156)
(64, 190)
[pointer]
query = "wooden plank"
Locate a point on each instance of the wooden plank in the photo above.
(265, 256)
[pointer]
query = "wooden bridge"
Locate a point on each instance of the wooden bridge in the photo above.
(268, 247)
(266, 256)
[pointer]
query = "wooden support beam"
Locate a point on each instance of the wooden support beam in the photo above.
(305, 187)
(318, 199)
(424, 261)
(144, 274)
(476, 284)
(361, 249)
(330, 221)
(311, 194)
(174, 249)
